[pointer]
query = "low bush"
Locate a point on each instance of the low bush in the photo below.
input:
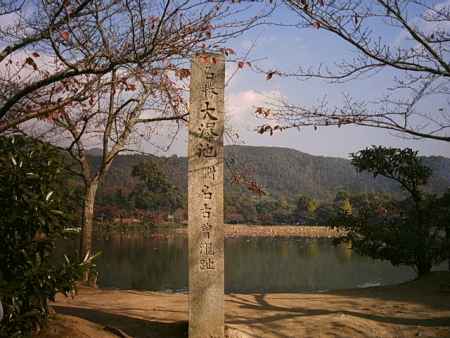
(32, 204)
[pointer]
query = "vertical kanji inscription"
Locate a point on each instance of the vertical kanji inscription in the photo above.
(205, 203)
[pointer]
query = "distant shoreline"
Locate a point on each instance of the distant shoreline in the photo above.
(231, 231)
(243, 230)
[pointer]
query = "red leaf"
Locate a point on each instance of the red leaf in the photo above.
(35, 54)
(207, 27)
(30, 61)
(183, 73)
(241, 64)
(231, 51)
(316, 24)
(264, 129)
(305, 4)
(270, 74)
(204, 59)
(53, 116)
(65, 35)
(264, 111)
(227, 51)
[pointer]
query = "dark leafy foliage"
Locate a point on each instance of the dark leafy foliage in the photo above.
(32, 217)
(409, 232)
(156, 191)
(401, 165)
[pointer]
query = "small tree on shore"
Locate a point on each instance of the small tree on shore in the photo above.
(409, 232)
(155, 192)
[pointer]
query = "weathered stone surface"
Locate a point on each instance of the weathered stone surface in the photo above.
(205, 192)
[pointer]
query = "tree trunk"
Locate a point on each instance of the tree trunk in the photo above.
(87, 224)
(447, 233)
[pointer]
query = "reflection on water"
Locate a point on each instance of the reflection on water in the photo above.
(251, 264)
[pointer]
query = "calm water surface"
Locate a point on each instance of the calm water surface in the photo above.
(251, 265)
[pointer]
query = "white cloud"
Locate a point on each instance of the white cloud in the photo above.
(240, 107)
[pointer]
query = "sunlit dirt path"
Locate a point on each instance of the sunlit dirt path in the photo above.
(414, 309)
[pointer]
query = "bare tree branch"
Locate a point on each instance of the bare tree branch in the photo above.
(420, 67)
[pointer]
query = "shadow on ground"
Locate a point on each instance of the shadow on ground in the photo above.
(418, 308)
(278, 313)
(133, 327)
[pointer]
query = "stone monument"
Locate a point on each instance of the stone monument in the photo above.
(205, 197)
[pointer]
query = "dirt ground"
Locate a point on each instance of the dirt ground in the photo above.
(415, 309)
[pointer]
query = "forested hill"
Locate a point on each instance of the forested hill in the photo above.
(282, 173)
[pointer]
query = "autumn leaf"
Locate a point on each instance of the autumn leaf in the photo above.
(305, 4)
(183, 73)
(204, 59)
(236, 179)
(35, 54)
(65, 35)
(227, 51)
(316, 24)
(30, 61)
(270, 74)
(254, 187)
(207, 27)
(264, 129)
(263, 111)
(54, 115)
(241, 64)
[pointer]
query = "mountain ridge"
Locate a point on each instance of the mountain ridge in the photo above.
(282, 172)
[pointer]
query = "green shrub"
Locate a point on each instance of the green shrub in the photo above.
(32, 217)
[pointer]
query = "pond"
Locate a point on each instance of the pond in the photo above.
(252, 264)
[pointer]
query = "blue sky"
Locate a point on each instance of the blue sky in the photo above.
(286, 48)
